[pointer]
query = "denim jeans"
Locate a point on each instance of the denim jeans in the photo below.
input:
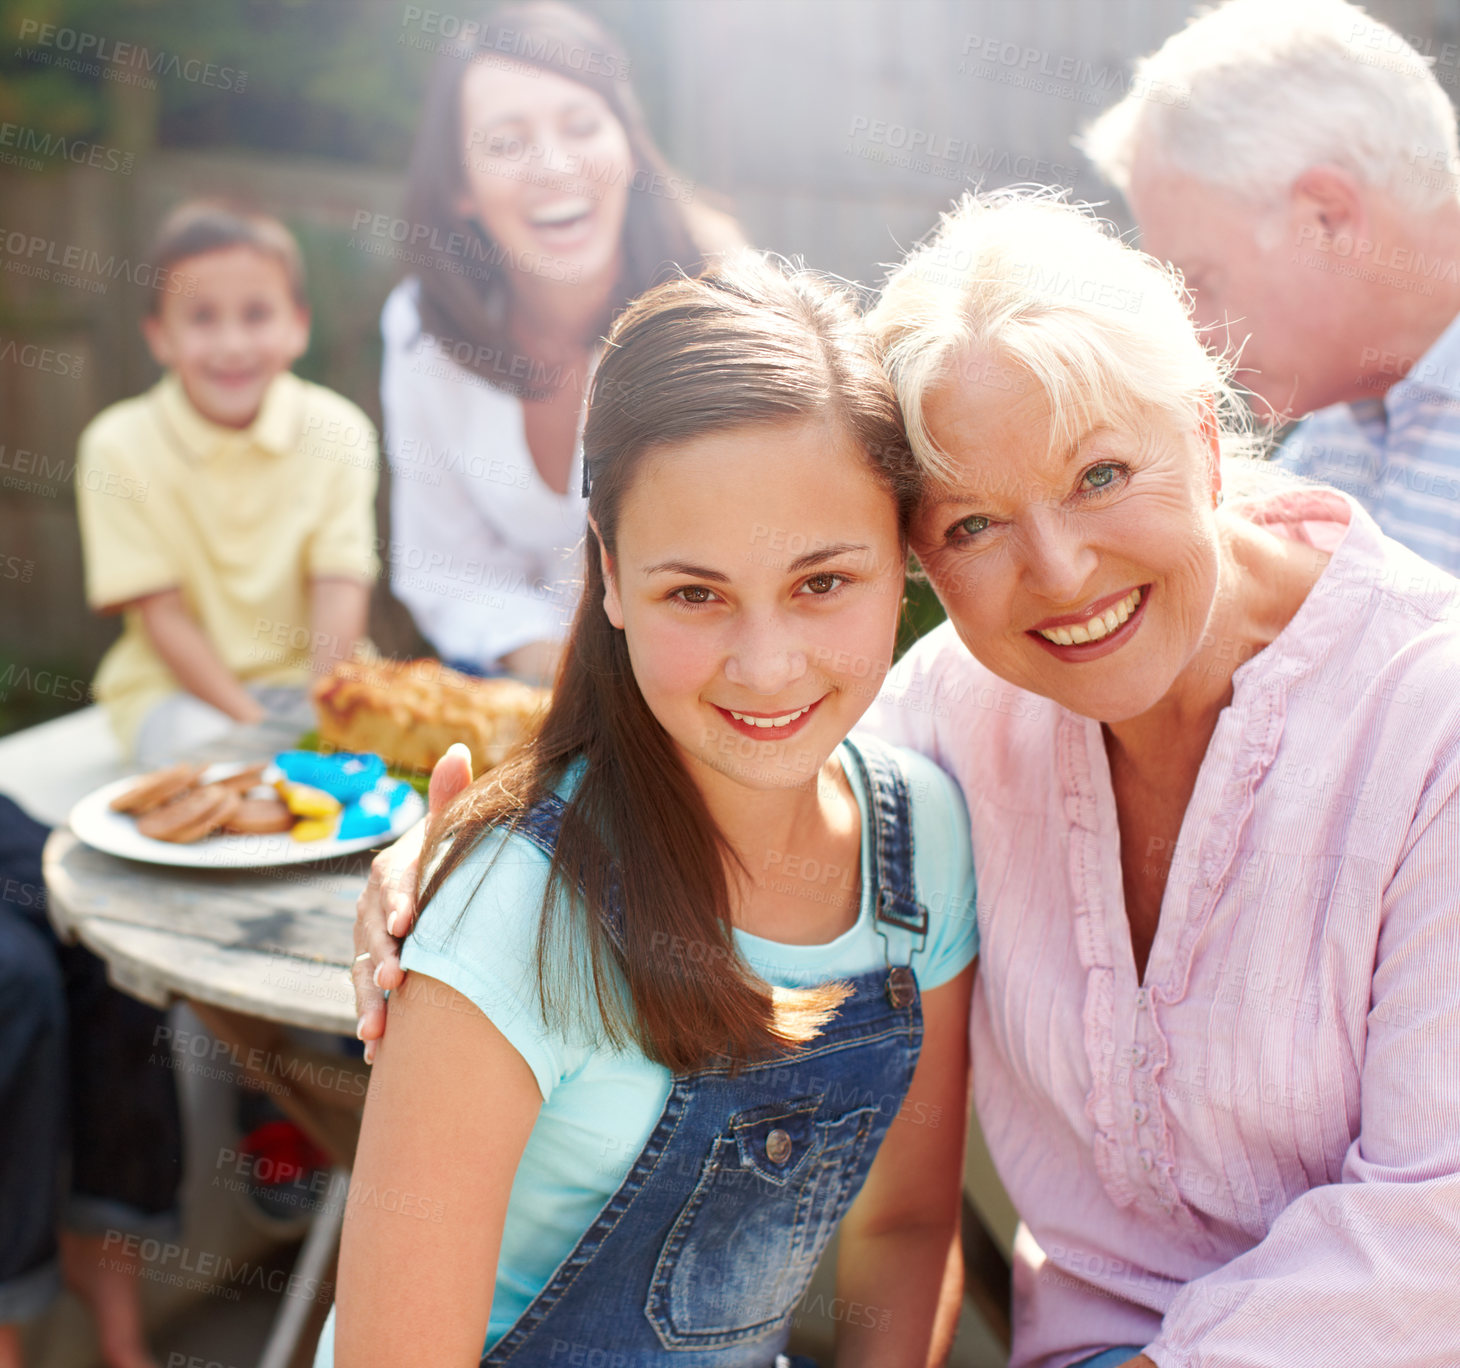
(91, 1137)
(1111, 1358)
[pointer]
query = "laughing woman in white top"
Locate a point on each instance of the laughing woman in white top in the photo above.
(538, 206)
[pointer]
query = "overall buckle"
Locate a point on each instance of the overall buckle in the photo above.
(902, 987)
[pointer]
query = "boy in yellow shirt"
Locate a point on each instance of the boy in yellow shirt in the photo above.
(228, 512)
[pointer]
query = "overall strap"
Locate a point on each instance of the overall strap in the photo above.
(901, 919)
(541, 824)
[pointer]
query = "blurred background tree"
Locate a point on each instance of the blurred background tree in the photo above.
(358, 105)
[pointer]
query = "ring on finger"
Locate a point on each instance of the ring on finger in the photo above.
(363, 955)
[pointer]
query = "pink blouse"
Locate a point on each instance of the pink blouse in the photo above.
(1252, 1157)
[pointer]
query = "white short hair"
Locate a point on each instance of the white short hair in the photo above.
(1020, 278)
(1254, 92)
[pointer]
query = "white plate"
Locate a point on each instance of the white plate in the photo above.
(94, 822)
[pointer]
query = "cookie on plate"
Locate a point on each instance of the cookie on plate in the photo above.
(244, 780)
(151, 791)
(191, 816)
(260, 817)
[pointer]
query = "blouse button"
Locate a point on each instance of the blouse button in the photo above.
(1147, 1160)
(778, 1146)
(1138, 1056)
(1143, 1000)
(1138, 1114)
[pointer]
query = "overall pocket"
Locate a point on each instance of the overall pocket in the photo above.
(742, 1251)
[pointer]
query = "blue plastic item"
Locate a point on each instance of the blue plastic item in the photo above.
(370, 815)
(345, 775)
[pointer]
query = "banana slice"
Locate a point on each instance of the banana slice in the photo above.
(307, 802)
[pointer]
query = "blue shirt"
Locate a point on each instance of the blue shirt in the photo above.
(1398, 455)
(479, 935)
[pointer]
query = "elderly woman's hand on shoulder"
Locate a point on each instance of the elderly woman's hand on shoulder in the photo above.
(386, 908)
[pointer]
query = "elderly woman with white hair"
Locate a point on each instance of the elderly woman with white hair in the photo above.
(1211, 752)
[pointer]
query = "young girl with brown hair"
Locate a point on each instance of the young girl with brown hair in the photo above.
(689, 989)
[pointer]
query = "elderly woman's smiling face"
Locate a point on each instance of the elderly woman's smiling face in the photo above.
(1085, 574)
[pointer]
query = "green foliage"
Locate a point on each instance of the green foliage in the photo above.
(325, 78)
(921, 612)
(34, 93)
(341, 79)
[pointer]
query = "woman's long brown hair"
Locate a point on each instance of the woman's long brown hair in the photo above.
(748, 344)
(464, 277)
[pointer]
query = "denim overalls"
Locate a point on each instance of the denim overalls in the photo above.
(700, 1257)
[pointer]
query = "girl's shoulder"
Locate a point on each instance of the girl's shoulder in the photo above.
(480, 935)
(487, 911)
(502, 880)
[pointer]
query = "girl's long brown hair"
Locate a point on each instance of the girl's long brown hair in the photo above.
(747, 344)
(464, 279)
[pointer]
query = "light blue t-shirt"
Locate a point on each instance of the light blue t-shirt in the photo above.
(600, 1105)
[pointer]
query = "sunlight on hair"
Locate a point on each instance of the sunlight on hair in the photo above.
(1021, 278)
(1273, 89)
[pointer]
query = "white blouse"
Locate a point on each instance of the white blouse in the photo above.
(483, 553)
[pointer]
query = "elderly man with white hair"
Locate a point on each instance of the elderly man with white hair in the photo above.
(1305, 183)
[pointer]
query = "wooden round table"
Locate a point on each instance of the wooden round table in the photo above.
(253, 951)
(275, 944)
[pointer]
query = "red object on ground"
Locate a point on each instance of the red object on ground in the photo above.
(281, 1153)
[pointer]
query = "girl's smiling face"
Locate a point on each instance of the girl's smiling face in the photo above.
(757, 575)
(1086, 575)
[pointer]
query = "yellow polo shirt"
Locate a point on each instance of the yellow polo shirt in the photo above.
(238, 520)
